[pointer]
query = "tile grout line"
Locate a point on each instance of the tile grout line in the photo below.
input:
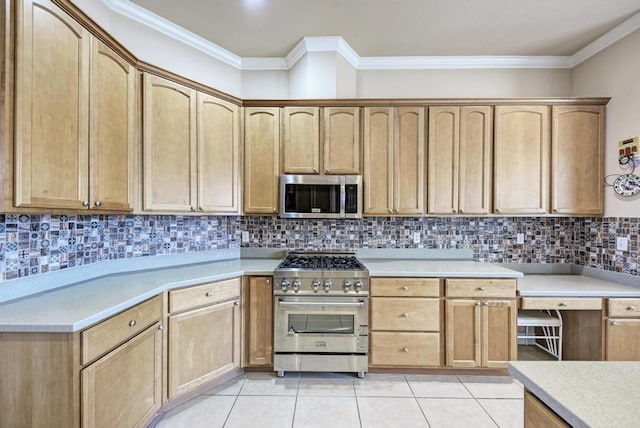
(226, 420)
(417, 402)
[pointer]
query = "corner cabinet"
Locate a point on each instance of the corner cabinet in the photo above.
(257, 292)
(521, 159)
(261, 159)
(191, 142)
(394, 147)
(577, 160)
(480, 322)
(204, 334)
(74, 116)
(460, 157)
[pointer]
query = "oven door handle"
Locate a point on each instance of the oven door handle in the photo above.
(316, 304)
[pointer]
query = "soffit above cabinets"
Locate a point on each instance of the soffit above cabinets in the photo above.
(386, 34)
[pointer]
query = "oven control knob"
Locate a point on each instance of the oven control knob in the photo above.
(296, 286)
(284, 285)
(315, 284)
(347, 286)
(327, 285)
(359, 285)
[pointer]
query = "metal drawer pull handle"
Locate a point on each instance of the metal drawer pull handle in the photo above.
(405, 350)
(132, 323)
(208, 294)
(406, 315)
(562, 304)
(631, 308)
(327, 304)
(405, 288)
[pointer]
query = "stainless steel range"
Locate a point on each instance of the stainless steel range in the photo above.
(321, 313)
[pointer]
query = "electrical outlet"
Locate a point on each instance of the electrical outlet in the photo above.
(245, 236)
(416, 237)
(622, 243)
(520, 238)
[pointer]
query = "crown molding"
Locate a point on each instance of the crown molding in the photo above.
(339, 45)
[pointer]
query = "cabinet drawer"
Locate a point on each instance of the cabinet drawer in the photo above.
(405, 287)
(480, 288)
(200, 295)
(110, 333)
(405, 314)
(404, 349)
(624, 307)
(563, 303)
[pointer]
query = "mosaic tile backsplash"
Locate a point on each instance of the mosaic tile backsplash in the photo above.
(37, 244)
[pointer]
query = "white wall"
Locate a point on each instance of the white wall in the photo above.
(485, 83)
(265, 85)
(615, 73)
(155, 48)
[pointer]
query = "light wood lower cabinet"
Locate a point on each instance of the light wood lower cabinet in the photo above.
(622, 330)
(124, 388)
(480, 332)
(204, 343)
(405, 322)
(538, 415)
(258, 321)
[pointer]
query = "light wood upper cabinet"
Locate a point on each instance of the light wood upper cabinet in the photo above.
(459, 153)
(394, 160)
(112, 129)
(261, 159)
(52, 108)
(521, 150)
(169, 146)
(577, 160)
(301, 140)
(75, 115)
(341, 126)
(218, 129)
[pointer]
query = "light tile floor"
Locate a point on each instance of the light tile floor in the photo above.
(342, 400)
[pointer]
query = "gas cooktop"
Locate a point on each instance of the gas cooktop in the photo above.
(321, 261)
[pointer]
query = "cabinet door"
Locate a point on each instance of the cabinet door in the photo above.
(521, 159)
(124, 388)
(623, 340)
(51, 116)
(112, 131)
(258, 321)
(444, 144)
(341, 140)
(203, 344)
(577, 159)
(378, 160)
(261, 160)
(409, 147)
(499, 343)
(301, 140)
(169, 141)
(463, 329)
(218, 125)
(475, 160)
(538, 415)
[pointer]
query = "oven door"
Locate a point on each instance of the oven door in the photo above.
(319, 324)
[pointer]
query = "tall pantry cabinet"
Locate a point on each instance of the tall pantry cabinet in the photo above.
(74, 115)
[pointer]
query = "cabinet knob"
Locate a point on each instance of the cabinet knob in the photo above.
(85, 203)
(477, 303)
(486, 303)
(268, 281)
(498, 210)
(192, 208)
(236, 303)
(614, 323)
(562, 304)
(481, 288)
(631, 308)
(132, 323)
(405, 288)
(98, 203)
(405, 350)
(200, 208)
(208, 294)
(160, 327)
(406, 315)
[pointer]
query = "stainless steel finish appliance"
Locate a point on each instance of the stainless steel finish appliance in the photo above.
(321, 314)
(320, 196)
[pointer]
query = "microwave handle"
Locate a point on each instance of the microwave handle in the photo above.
(343, 195)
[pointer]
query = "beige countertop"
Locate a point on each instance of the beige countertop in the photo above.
(573, 286)
(437, 268)
(585, 393)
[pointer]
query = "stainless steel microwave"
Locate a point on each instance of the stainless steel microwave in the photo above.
(320, 196)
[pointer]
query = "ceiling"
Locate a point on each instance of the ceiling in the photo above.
(373, 28)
